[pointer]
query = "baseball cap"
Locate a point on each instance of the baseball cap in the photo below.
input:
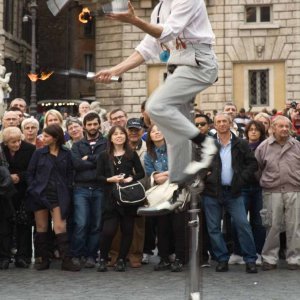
(134, 123)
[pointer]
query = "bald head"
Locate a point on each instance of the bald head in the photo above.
(84, 108)
(20, 103)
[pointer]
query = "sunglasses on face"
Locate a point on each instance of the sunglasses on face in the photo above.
(200, 124)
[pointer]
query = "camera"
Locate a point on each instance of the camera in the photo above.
(294, 104)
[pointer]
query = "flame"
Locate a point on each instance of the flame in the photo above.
(85, 15)
(33, 77)
(42, 76)
(45, 76)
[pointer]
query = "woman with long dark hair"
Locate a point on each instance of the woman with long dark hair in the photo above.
(119, 164)
(170, 228)
(255, 133)
(50, 178)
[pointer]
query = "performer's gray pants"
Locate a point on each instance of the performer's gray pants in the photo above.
(171, 103)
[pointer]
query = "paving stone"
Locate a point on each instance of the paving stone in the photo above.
(144, 284)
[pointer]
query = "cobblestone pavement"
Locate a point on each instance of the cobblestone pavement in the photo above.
(144, 284)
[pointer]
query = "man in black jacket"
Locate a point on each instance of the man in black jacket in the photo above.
(88, 194)
(232, 167)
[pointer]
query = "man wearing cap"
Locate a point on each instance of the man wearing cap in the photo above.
(135, 133)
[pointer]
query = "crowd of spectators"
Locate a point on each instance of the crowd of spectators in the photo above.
(58, 174)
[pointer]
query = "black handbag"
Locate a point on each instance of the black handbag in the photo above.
(129, 194)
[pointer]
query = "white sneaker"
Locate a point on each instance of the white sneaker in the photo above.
(208, 150)
(236, 260)
(145, 259)
(259, 260)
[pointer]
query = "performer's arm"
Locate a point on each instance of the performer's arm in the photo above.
(131, 62)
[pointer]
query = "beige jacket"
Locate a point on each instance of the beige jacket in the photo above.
(279, 165)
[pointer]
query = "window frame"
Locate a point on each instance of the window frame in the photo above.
(8, 15)
(89, 66)
(258, 103)
(258, 14)
(271, 95)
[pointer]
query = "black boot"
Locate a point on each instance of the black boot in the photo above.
(42, 253)
(120, 266)
(67, 262)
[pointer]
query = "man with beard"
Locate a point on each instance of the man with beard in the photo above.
(88, 193)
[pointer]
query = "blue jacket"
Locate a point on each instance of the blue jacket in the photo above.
(160, 164)
(38, 174)
(85, 170)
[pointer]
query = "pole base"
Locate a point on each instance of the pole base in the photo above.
(195, 296)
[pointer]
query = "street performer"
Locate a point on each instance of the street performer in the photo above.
(179, 33)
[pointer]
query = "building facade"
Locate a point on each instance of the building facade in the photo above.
(257, 45)
(64, 44)
(15, 52)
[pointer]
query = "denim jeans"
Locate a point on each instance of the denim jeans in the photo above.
(87, 211)
(213, 208)
(253, 203)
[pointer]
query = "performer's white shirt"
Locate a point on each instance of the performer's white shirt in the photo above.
(187, 19)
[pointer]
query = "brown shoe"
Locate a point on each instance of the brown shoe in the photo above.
(112, 262)
(268, 267)
(135, 264)
(41, 264)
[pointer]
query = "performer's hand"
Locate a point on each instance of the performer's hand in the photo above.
(104, 76)
(126, 17)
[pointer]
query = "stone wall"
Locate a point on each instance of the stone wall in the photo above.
(237, 42)
(115, 42)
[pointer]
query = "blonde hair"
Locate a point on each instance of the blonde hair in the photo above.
(55, 113)
(263, 115)
(31, 120)
(11, 132)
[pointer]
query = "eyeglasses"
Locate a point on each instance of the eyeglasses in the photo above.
(30, 128)
(200, 124)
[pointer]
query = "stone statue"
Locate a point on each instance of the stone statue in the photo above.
(4, 87)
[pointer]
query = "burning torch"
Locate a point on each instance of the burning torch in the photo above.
(84, 75)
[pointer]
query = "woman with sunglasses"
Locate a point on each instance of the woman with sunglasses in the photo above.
(119, 164)
(202, 123)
